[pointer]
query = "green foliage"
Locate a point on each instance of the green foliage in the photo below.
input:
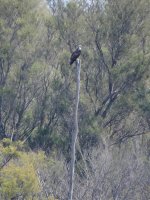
(38, 85)
(19, 179)
(9, 148)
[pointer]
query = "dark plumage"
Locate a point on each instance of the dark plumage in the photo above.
(75, 55)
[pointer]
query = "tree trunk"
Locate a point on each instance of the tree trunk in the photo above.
(75, 132)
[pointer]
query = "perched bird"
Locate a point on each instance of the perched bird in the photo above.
(75, 55)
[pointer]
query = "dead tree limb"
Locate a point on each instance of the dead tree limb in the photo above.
(75, 132)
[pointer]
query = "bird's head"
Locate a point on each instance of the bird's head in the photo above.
(79, 47)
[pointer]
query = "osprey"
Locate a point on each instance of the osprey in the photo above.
(75, 55)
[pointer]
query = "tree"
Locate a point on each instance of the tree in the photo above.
(75, 132)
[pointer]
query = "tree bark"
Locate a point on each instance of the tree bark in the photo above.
(75, 132)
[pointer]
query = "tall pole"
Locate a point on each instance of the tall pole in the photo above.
(75, 132)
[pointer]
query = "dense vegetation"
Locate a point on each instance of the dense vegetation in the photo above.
(37, 93)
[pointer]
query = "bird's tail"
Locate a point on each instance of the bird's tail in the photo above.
(70, 62)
